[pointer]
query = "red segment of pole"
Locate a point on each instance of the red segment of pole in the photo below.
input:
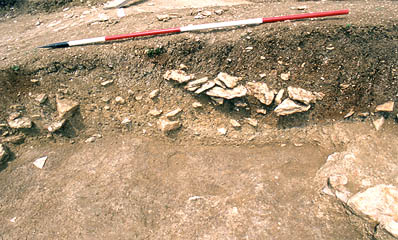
(305, 15)
(140, 34)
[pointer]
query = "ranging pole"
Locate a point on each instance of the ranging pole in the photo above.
(195, 28)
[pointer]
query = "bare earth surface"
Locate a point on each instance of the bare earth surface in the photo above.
(112, 174)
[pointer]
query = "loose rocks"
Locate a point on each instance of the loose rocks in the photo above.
(227, 80)
(194, 85)
(289, 106)
(20, 123)
(302, 95)
(155, 112)
(55, 126)
(385, 107)
(261, 92)
(66, 107)
(178, 75)
(167, 126)
(220, 92)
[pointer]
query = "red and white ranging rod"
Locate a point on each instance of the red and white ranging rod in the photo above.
(195, 28)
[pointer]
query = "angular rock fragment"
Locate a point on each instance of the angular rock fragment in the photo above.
(228, 80)
(3, 153)
(350, 113)
(167, 126)
(20, 123)
(235, 123)
(261, 111)
(289, 106)
(252, 122)
(16, 139)
(260, 91)
(303, 95)
(217, 100)
(41, 98)
(178, 75)
(279, 96)
(220, 92)
(197, 105)
(66, 107)
(40, 162)
(380, 204)
(194, 85)
(205, 87)
(155, 112)
(154, 93)
(385, 107)
(222, 131)
(55, 126)
(173, 113)
(378, 123)
(120, 100)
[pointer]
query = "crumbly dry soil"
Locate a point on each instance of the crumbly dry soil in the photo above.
(138, 183)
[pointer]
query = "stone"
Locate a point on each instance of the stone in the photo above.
(378, 123)
(40, 162)
(289, 106)
(173, 113)
(385, 107)
(363, 114)
(380, 204)
(235, 123)
(217, 100)
(194, 85)
(178, 75)
(219, 11)
(155, 112)
(41, 98)
(3, 153)
(183, 66)
(285, 76)
(16, 139)
(239, 91)
(337, 180)
(66, 107)
(107, 83)
(20, 123)
(205, 87)
(14, 115)
(197, 105)
(163, 17)
(154, 93)
(261, 111)
(350, 113)
(55, 126)
(120, 100)
(90, 139)
(126, 121)
(252, 122)
(279, 96)
(167, 126)
(260, 91)
(303, 95)
(116, 4)
(228, 80)
(222, 131)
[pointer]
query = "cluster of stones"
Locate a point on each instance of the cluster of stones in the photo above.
(226, 87)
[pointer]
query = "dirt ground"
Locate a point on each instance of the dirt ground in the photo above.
(135, 182)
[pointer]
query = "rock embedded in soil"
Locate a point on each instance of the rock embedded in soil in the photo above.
(120, 100)
(385, 107)
(301, 95)
(285, 76)
(154, 93)
(20, 123)
(107, 83)
(163, 17)
(380, 204)
(173, 113)
(228, 80)
(3, 153)
(41, 98)
(239, 91)
(167, 126)
(40, 162)
(289, 106)
(350, 113)
(260, 91)
(217, 100)
(378, 123)
(55, 126)
(66, 107)
(179, 76)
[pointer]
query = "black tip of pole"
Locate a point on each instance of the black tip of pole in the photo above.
(56, 45)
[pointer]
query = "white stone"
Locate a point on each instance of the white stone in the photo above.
(285, 76)
(20, 123)
(238, 91)
(167, 126)
(126, 121)
(385, 107)
(178, 75)
(378, 203)
(154, 93)
(235, 123)
(155, 112)
(40, 162)
(66, 107)
(228, 80)
(205, 87)
(197, 105)
(261, 111)
(378, 123)
(120, 100)
(350, 113)
(41, 98)
(252, 122)
(194, 85)
(279, 96)
(260, 91)
(288, 107)
(301, 95)
(173, 113)
(3, 153)
(222, 131)
(163, 17)
(55, 126)
(107, 83)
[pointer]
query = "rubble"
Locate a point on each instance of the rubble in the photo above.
(235, 123)
(385, 107)
(178, 75)
(20, 123)
(220, 92)
(40, 162)
(260, 91)
(66, 107)
(380, 204)
(167, 126)
(301, 95)
(173, 113)
(194, 85)
(378, 123)
(288, 107)
(205, 87)
(3, 153)
(227, 80)
(279, 96)
(55, 126)
(41, 98)
(93, 138)
(154, 93)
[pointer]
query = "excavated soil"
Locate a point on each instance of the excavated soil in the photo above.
(194, 183)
